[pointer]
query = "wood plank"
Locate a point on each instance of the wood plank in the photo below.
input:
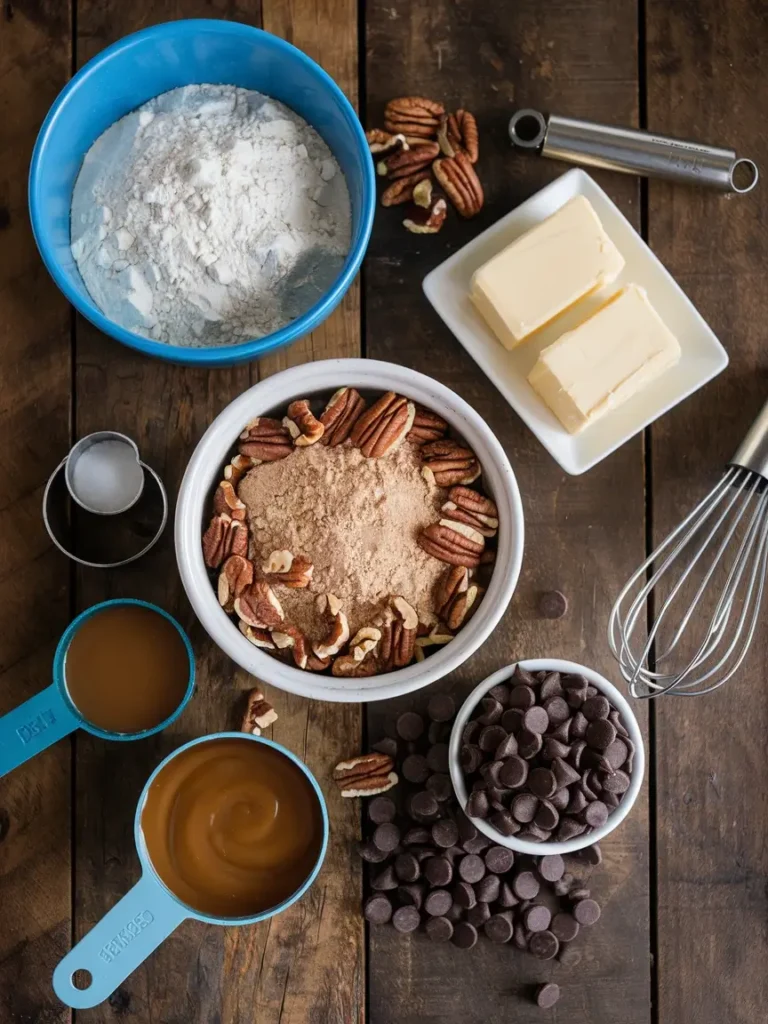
(310, 959)
(706, 81)
(583, 535)
(35, 56)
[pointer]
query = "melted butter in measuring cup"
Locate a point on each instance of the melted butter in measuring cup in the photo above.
(104, 474)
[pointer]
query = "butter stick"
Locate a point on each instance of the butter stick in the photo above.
(608, 358)
(545, 271)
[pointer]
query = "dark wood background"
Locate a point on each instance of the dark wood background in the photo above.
(684, 933)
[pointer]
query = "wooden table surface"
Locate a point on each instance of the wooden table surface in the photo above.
(684, 933)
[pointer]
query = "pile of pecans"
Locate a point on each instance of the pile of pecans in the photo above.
(422, 144)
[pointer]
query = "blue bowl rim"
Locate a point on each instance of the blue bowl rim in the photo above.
(227, 354)
(149, 868)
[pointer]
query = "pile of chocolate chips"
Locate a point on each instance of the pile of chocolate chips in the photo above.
(431, 869)
(545, 755)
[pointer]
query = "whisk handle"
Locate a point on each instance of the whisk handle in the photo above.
(752, 453)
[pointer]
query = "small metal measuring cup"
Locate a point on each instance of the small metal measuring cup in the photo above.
(51, 714)
(149, 912)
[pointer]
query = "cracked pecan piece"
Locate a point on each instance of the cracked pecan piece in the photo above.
(459, 132)
(225, 536)
(422, 193)
(329, 604)
(426, 221)
(302, 425)
(451, 584)
(408, 161)
(258, 637)
(236, 574)
(340, 415)
(235, 470)
(460, 183)
(289, 570)
(225, 500)
(413, 116)
(450, 545)
(258, 606)
(291, 638)
(382, 427)
(402, 190)
(450, 463)
(383, 144)
(259, 713)
(467, 506)
(427, 426)
(265, 440)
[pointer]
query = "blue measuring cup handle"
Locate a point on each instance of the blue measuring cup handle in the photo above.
(33, 726)
(119, 943)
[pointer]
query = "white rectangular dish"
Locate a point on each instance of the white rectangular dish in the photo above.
(703, 357)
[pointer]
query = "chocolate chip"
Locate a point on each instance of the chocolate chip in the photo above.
(476, 845)
(437, 757)
(564, 774)
(577, 750)
(522, 697)
(568, 956)
(470, 758)
(590, 784)
(596, 814)
(552, 867)
(464, 935)
(377, 909)
(578, 726)
(441, 707)
(616, 753)
(500, 692)
(565, 927)
(563, 885)
(557, 710)
(611, 800)
(525, 885)
(491, 711)
(617, 783)
(406, 919)
(595, 708)
(490, 772)
(372, 854)
(579, 893)
(410, 725)
(592, 855)
(563, 732)
(506, 897)
(592, 691)
(386, 746)
(577, 803)
(547, 995)
(499, 928)
(600, 733)
(536, 719)
(487, 889)
(464, 895)
(568, 828)
(445, 833)
(490, 737)
(438, 902)
(470, 732)
(411, 893)
(520, 937)
(542, 783)
(512, 719)
(455, 914)
(537, 918)
(471, 868)
(439, 929)
(422, 852)
(587, 912)
(543, 945)
(477, 805)
(385, 880)
(381, 810)
(440, 785)
(416, 836)
(599, 762)
(506, 748)
(554, 748)
(547, 817)
(513, 772)
(438, 871)
(533, 833)
(499, 859)
(415, 768)
(478, 915)
(524, 807)
(504, 823)
(386, 837)
(452, 852)
(614, 718)
(423, 806)
(524, 677)
(407, 867)
(467, 830)
(529, 743)
(499, 797)
(438, 732)
(551, 686)
(560, 799)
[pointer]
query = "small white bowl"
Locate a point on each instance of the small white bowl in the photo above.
(193, 511)
(616, 816)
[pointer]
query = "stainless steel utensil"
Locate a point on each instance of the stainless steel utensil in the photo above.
(632, 151)
(722, 543)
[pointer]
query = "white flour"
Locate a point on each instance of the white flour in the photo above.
(209, 216)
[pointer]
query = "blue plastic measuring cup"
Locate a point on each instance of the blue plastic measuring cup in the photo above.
(149, 912)
(51, 714)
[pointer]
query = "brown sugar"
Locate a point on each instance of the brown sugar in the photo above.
(357, 519)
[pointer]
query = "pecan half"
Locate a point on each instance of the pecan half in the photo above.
(382, 427)
(365, 766)
(302, 425)
(402, 190)
(408, 161)
(450, 546)
(224, 537)
(340, 415)
(426, 222)
(413, 115)
(257, 606)
(350, 668)
(382, 143)
(236, 574)
(258, 637)
(399, 628)
(452, 583)
(462, 186)
(460, 607)
(339, 632)
(289, 570)
(467, 506)
(235, 470)
(265, 440)
(427, 426)
(259, 713)
(226, 500)
(291, 637)
(450, 462)
(459, 132)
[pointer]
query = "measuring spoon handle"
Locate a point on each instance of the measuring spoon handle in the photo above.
(118, 944)
(33, 726)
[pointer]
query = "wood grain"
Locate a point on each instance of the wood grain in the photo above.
(582, 534)
(707, 81)
(34, 600)
(308, 963)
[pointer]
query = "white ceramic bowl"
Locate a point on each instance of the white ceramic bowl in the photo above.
(204, 471)
(616, 816)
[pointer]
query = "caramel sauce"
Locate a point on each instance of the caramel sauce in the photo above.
(232, 827)
(126, 669)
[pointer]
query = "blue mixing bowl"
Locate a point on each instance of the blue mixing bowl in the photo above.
(165, 57)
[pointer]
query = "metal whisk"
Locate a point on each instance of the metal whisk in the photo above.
(723, 543)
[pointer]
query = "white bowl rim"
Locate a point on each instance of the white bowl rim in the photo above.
(620, 702)
(297, 382)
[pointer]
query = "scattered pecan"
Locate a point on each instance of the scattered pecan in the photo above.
(289, 570)
(290, 637)
(413, 115)
(224, 537)
(265, 440)
(340, 415)
(450, 462)
(302, 425)
(467, 506)
(426, 222)
(382, 427)
(226, 500)
(236, 574)
(383, 144)
(399, 628)
(459, 132)
(258, 637)
(235, 470)
(402, 190)
(349, 668)
(450, 546)
(408, 161)
(422, 193)
(257, 606)
(365, 775)
(452, 583)
(462, 186)
(259, 713)
(328, 604)
(427, 426)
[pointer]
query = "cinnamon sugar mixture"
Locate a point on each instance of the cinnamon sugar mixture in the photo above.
(357, 519)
